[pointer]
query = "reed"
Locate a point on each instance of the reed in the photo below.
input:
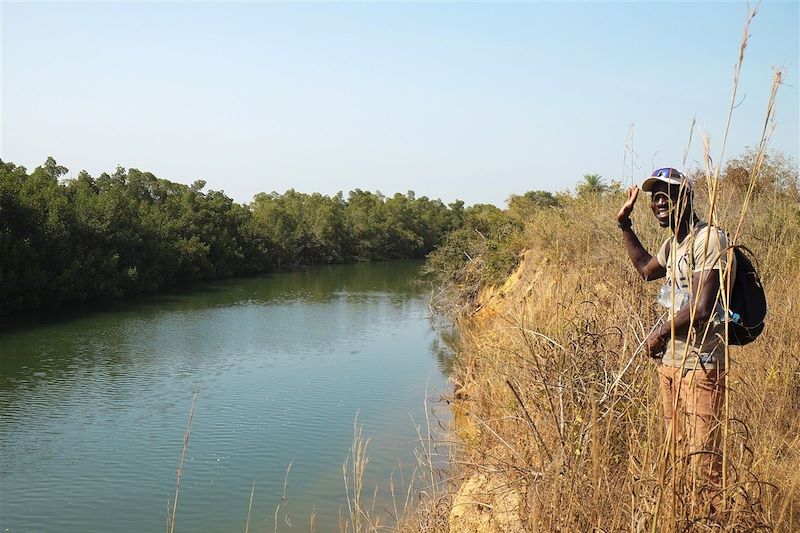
(172, 507)
(361, 512)
(250, 508)
(284, 501)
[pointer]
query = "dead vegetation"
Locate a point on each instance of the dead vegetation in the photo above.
(557, 408)
(557, 412)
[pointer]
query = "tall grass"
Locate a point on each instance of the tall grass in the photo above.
(557, 407)
(359, 511)
(560, 407)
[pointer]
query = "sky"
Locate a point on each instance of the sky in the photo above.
(471, 101)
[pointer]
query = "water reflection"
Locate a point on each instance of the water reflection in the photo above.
(57, 341)
(93, 404)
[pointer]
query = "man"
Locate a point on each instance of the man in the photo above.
(691, 341)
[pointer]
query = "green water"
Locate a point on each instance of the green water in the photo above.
(94, 404)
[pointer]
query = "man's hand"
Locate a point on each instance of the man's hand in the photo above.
(655, 344)
(627, 209)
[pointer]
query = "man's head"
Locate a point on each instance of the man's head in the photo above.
(671, 199)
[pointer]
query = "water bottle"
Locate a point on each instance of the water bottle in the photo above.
(733, 316)
(666, 297)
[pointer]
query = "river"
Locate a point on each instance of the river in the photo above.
(94, 403)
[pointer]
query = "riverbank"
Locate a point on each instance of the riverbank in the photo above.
(558, 416)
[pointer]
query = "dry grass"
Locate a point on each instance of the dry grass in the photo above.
(557, 409)
(556, 398)
(172, 507)
(421, 498)
(561, 401)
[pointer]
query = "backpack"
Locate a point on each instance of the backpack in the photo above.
(747, 302)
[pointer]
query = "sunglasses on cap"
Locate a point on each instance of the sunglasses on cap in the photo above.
(667, 173)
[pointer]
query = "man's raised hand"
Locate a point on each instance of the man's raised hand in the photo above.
(627, 208)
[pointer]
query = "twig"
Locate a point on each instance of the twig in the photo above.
(179, 472)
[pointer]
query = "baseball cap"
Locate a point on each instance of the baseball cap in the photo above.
(669, 176)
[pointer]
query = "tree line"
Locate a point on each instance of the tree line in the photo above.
(129, 232)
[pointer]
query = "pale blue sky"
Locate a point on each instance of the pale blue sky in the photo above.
(453, 100)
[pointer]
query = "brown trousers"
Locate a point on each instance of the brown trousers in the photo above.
(693, 407)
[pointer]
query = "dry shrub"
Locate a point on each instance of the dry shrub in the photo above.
(556, 398)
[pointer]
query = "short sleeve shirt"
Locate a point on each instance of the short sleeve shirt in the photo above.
(702, 250)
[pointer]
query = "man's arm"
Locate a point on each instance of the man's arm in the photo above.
(646, 265)
(705, 291)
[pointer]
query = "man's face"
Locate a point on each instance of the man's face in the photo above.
(663, 202)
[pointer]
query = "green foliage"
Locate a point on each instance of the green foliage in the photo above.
(484, 250)
(130, 232)
(592, 185)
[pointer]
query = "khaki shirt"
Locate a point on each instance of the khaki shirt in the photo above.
(700, 251)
